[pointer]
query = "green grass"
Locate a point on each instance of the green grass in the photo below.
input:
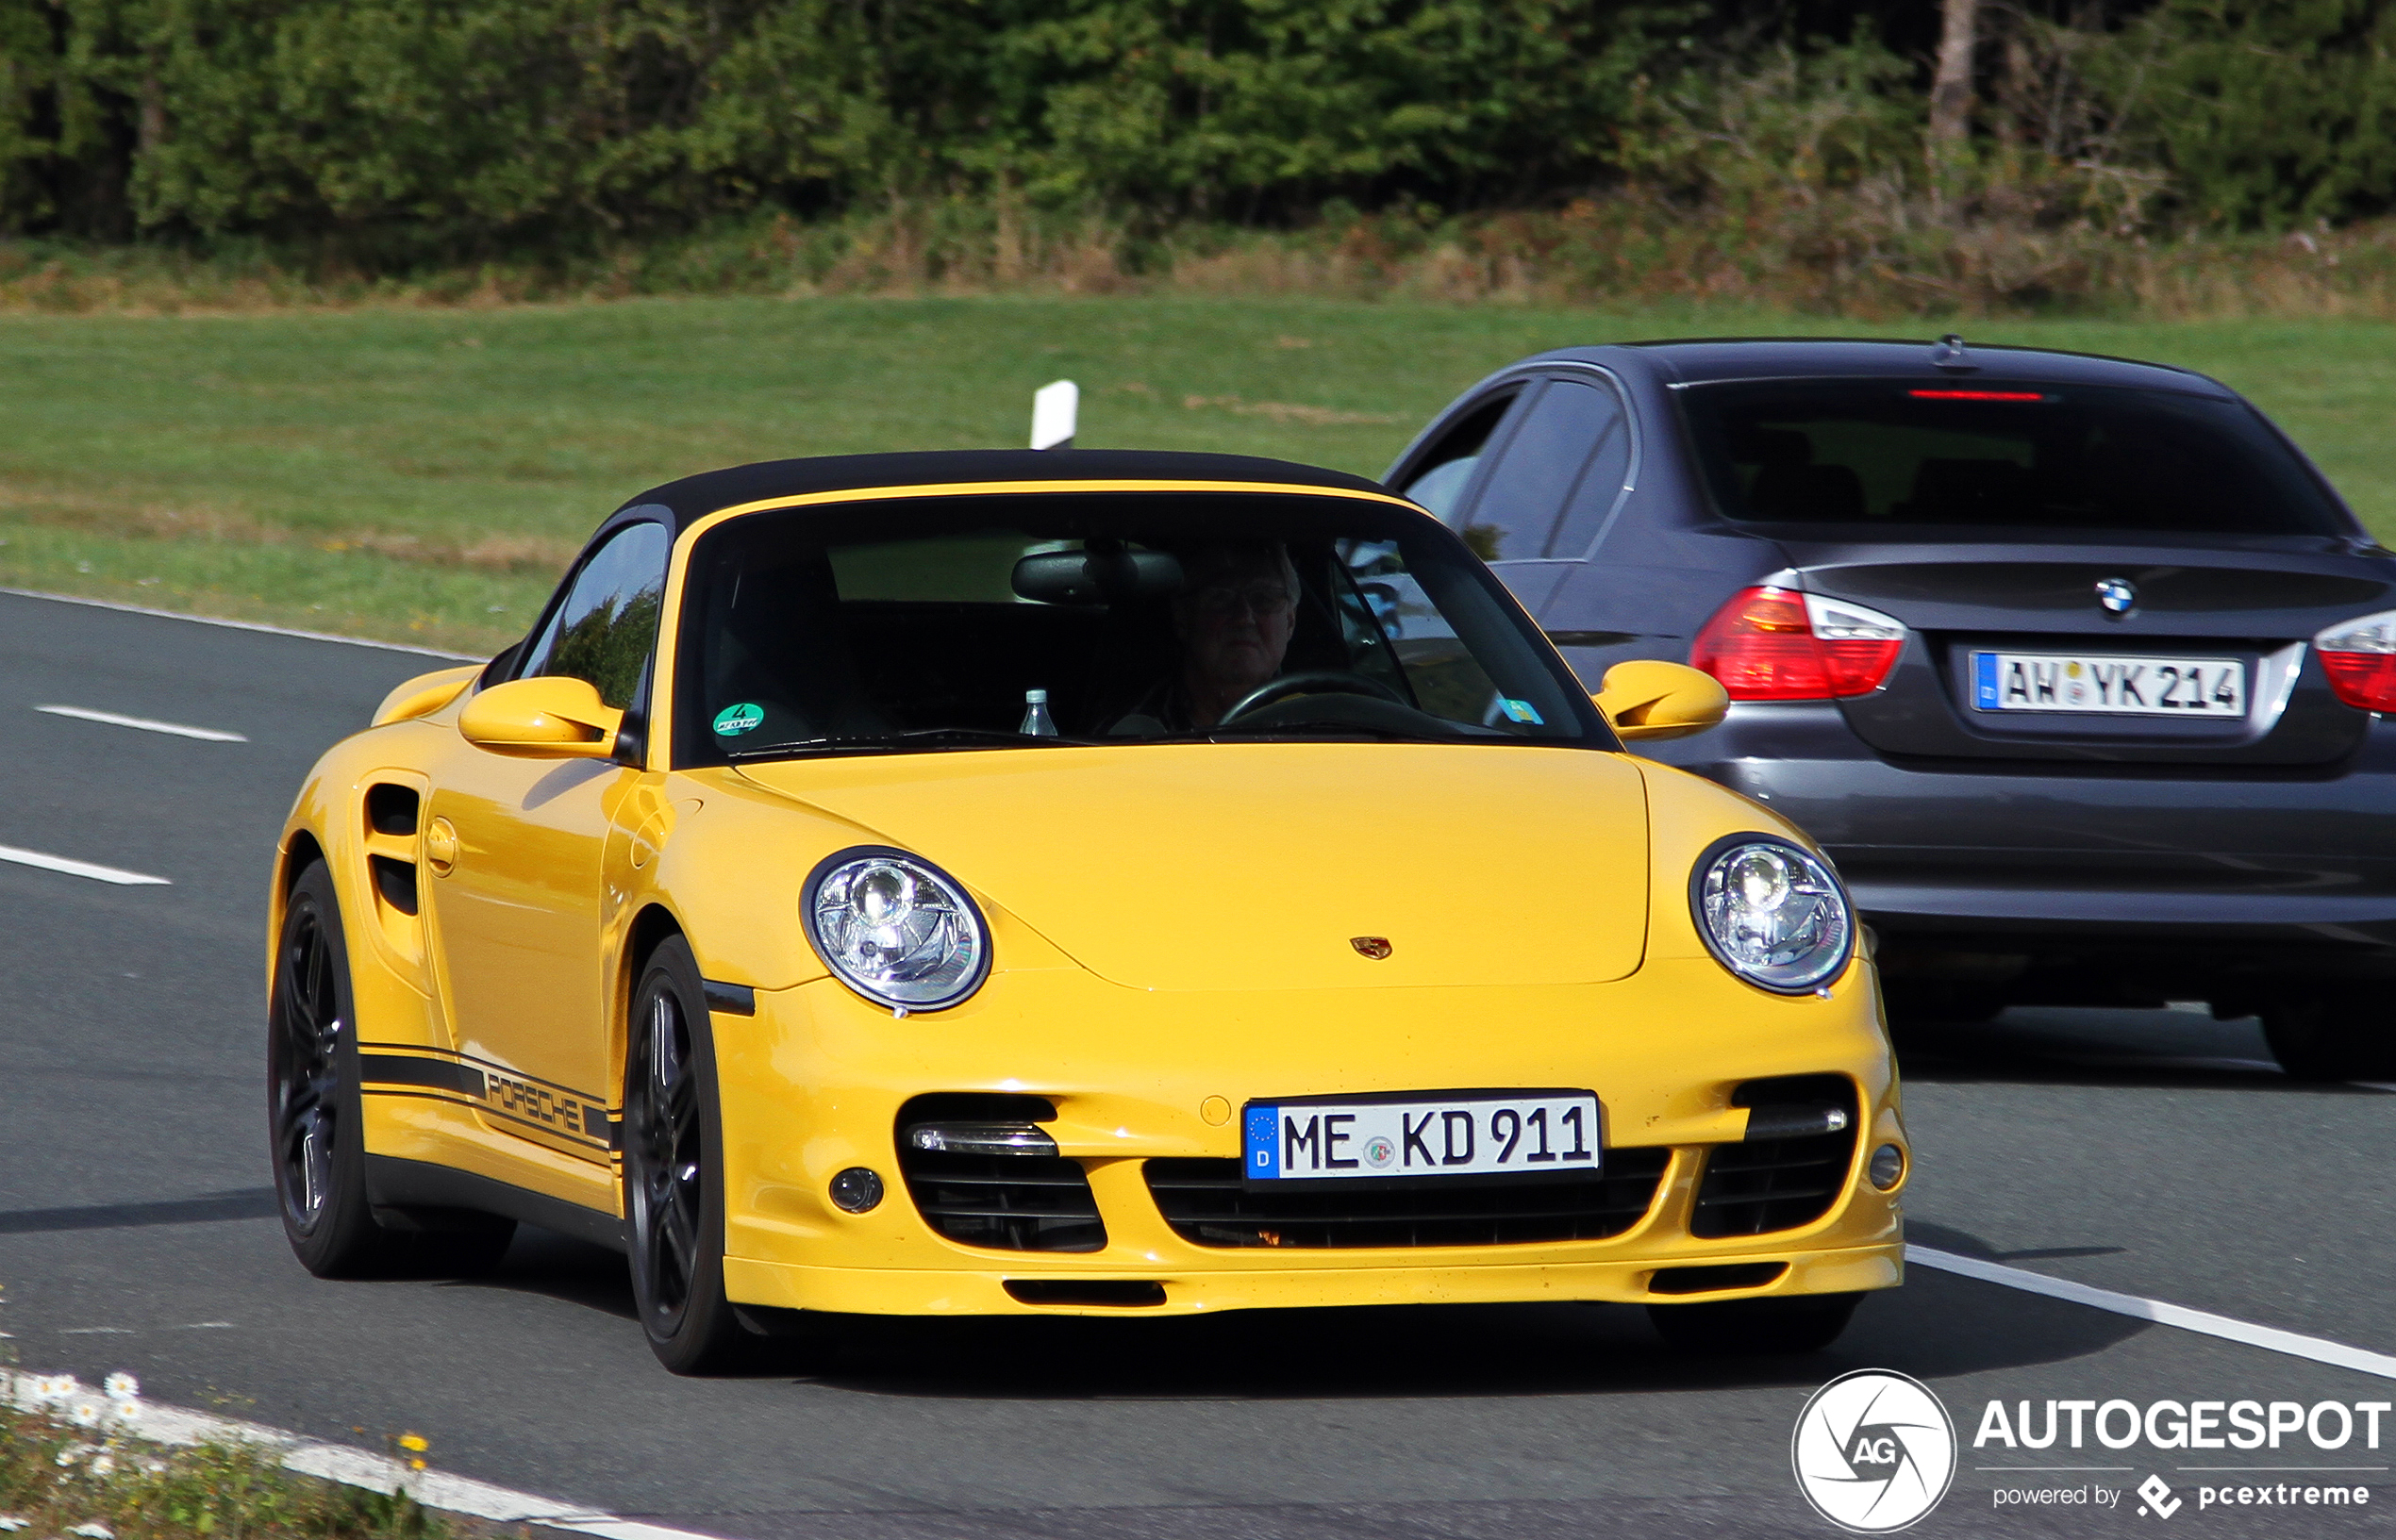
(422, 473)
(58, 1480)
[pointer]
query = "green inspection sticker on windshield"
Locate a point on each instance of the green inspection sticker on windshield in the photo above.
(1516, 711)
(733, 720)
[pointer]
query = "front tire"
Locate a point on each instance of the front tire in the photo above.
(673, 1169)
(1794, 1323)
(316, 1122)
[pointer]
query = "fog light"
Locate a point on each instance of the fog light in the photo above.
(856, 1190)
(981, 1139)
(1887, 1165)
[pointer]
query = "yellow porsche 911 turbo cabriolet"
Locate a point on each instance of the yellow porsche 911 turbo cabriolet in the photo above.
(1079, 881)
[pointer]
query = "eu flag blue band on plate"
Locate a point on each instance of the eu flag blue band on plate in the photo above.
(1264, 1141)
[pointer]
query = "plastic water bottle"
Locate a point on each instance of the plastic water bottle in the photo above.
(1037, 721)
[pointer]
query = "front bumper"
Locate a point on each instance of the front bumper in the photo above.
(814, 1083)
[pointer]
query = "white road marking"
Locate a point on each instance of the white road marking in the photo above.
(2271, 1338)
(178, 1425)
(81, 869)
(86, 714)
(238, 625)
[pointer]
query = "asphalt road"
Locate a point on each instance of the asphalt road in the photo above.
(2157, 1153)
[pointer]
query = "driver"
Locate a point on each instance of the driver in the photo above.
(1233, 618)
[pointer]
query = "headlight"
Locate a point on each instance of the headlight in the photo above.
(895, 928)
(1771, 912)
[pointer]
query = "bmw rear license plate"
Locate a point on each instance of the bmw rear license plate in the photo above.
(1460, 1133)
(2084, 682)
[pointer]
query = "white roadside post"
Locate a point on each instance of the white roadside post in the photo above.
(1053, 407)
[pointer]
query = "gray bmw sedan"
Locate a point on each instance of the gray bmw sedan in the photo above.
(2078, 667)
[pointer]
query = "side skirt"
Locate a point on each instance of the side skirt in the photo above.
(406, 1186)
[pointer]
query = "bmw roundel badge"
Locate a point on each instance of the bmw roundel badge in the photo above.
(2117, 594)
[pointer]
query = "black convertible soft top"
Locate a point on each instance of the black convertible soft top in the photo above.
(693, 498)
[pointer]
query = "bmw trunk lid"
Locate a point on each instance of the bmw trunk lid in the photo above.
(1277, 866)
(2194, 652)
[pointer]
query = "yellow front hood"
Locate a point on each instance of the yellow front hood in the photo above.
(1251, 865)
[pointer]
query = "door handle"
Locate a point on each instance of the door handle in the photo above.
(440, 847)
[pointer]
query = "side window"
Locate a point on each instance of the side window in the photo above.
(605, 629)
(1438, 479)
(1593, 498)
(1516, 514)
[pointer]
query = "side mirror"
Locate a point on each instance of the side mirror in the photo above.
(550, 717)
(1648, 700)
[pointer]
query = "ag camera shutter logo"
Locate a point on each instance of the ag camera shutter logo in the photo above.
(1873, 1450)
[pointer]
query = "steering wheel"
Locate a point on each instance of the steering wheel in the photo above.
(1311, 682)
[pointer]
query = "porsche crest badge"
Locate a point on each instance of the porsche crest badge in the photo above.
(1375, 947)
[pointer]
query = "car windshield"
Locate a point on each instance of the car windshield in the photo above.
(1968, 461)
(1034, 620)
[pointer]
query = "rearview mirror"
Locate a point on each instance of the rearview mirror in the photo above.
(550, 717)
(1096, 577)
(1648, 700)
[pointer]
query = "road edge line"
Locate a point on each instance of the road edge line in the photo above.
(2271, 1338)
(352, 1467)
(238, 625)
(44, 861)
(147, 725)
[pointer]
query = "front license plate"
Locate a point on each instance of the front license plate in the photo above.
(2134, 687)
(1475, 1133)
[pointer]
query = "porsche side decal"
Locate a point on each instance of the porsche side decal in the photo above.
(449, 1076)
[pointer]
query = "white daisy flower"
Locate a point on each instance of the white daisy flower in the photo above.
(120, 1386)
(86, 1414)
(128, 1412)
(102, 1464)
(49, 1389)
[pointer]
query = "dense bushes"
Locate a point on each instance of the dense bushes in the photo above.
(378, 134)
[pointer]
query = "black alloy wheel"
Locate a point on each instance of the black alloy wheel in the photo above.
(311, 1106)
(2331, 1034)
(316, 1122)
(672, 1160)
(1792, 1323)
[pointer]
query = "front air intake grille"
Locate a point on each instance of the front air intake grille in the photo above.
(1109, 1292)
(1729, 1275)
(1768, 1184)
(1206, 1204)
(1006, 1203)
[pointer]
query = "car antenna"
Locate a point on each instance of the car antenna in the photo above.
(1949, 354)
(1053, 407)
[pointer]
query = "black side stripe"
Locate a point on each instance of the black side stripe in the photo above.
(408, 1069)
(731, 998)
(500, 1070)
(491, 1112)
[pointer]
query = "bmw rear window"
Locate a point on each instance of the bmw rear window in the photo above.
(1963, 459)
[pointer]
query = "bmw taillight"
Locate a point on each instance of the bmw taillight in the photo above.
(2359, 657)
(1777, 644)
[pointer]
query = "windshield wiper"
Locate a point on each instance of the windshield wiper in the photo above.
(963, 737)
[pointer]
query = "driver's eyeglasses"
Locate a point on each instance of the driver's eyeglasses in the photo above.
(1256, 599)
